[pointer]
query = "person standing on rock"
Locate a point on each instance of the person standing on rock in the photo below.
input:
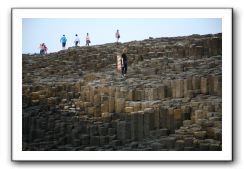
(42, 49)
(77, 40)
(117, 36)
(124, 62)
(45, 48)
(88, 41)
(63, 40)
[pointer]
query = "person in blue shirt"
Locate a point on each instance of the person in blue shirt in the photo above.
(63, 40)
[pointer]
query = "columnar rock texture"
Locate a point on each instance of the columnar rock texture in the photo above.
(169, 100)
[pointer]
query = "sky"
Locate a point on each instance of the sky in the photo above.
(102, 30)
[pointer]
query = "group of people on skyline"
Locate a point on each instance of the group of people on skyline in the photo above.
(123, 61)
(63, 40)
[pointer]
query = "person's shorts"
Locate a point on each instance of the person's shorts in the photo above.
(63, 44)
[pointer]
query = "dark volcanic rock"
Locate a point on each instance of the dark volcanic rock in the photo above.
(170, 99)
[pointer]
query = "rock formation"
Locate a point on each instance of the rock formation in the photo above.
(170, 99)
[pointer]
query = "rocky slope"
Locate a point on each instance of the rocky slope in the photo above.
(170, 99)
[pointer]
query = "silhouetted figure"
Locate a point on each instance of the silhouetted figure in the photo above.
(124, 62)
(117, 36)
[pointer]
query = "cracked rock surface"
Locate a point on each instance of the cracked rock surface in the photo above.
(170, 99)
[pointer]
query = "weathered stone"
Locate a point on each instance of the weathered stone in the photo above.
(104, 140)
(122, 131)
(204, 85)
(119, 105)
(85, 140)
(136, 106)
(188, 142)
(151, 94)
(111, 131)
(129, 109)
(136, 125)
(170, 120)
(161, 92)
(214, 147)
(131, 95)
(111, 105)
(95, 140)
(179, 88)
(102, 131)
(187, 86)
(196, 82)
(164, 132)
(170, 98)
(179, 145)
(156, 146)
(204, 146)
(187, 122)
(170, 142)
(156, 118)
(200, 134)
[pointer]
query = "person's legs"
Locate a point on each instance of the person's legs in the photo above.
(63, 45)
(42, 51)
(125, 67)
(123, 70)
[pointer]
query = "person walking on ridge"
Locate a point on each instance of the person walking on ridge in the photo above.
(88, 41)
(43, 49)
(63, 40)
(77, 40)
(117, 36)
(124, 62)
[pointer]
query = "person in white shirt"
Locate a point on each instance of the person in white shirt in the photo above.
(88, 41)
(77, 40)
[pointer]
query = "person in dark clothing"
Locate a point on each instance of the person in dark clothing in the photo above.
(124, 62)
(117, 36)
